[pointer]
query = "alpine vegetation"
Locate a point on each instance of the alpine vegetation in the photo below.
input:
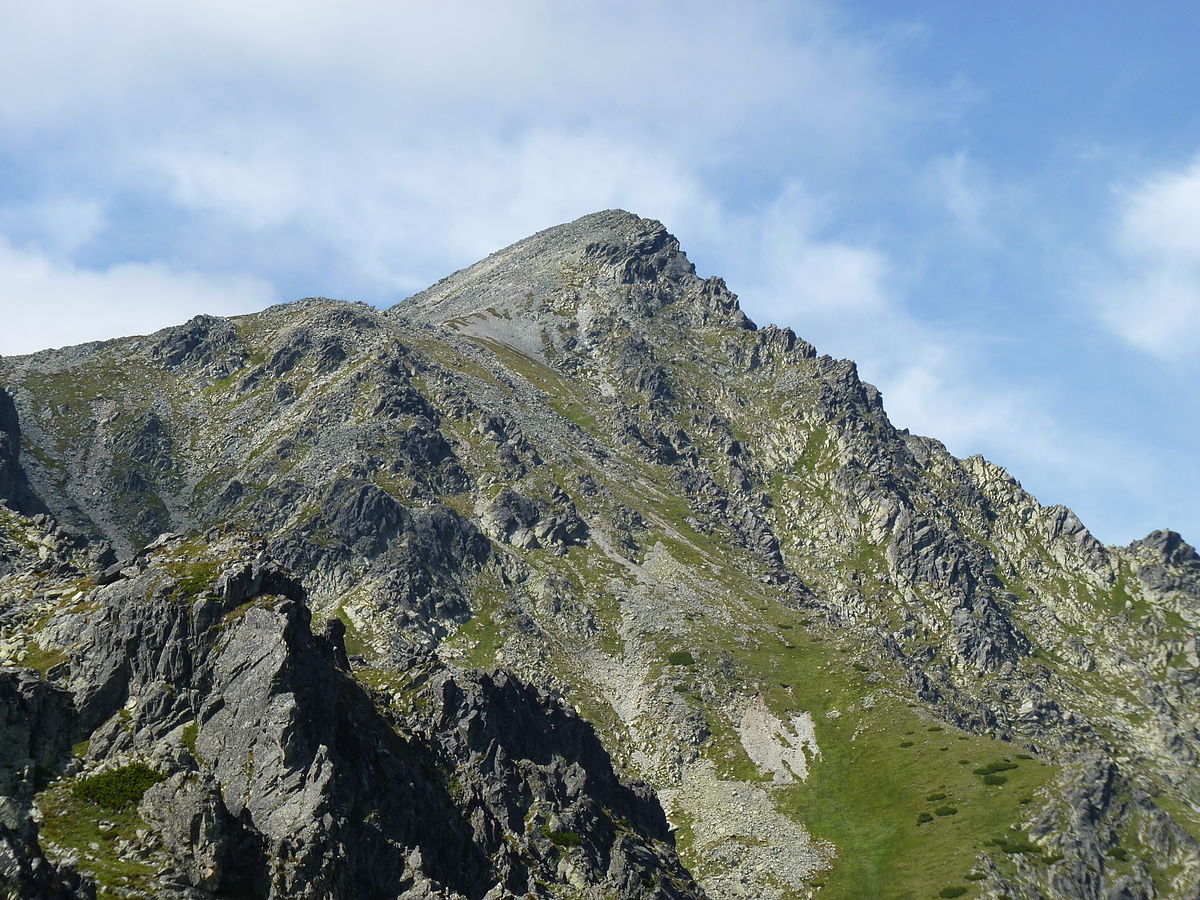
(561, 579)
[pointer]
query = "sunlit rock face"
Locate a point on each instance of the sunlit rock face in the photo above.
(561, 579)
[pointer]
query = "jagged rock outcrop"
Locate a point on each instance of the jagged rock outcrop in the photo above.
(14, 487)
(580, 462)
(279, 774)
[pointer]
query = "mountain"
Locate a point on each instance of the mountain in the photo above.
(562, 579)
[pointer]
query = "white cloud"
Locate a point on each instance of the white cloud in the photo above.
(61, 223)
(46, 303)
(849, 299)
(961, 186)
(393, 141)
(1148, 294)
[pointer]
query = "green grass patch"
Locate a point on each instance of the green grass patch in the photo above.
(75, 824)
(190, 732)
(865, 792)
(42, 658)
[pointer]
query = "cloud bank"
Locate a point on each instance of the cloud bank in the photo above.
(1151, 297)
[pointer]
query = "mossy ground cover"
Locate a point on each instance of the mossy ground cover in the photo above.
(481, 638)
(74, 822)
(42, 658)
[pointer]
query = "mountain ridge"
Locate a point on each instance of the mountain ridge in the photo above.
(578, 461)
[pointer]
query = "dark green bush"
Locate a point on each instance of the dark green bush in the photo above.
(933, 798)
(681, 658)
(117, 789)
(1119, 853)
(924, 817)
(993, 768)
(561, 838)
(955, 891)
(975, 876)
(906, 743)
(1016, 843)
(994, 779)
(946, 811)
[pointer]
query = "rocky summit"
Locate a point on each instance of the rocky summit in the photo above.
(561, 579)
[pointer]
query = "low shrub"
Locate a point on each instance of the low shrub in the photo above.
(954, 891)
(933, 798)
(994, 779)
(993, 768)
(561, 838)
(906, 743)
(681, 658)
(117, 789)
(946, 811)
(1017, 843)
(924, 817)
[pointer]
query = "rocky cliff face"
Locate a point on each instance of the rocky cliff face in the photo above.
(847, 663)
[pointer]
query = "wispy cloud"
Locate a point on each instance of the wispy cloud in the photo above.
(1148, 292)
(386, 143)
(54, 303)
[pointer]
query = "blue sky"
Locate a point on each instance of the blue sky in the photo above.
(994, 209)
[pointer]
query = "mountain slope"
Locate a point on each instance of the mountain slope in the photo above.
(846, 660)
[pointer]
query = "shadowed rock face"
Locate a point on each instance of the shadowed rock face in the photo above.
(579, 466)
(282, 775)
(14, 487)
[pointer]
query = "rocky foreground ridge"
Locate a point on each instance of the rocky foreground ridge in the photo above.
(404, 547)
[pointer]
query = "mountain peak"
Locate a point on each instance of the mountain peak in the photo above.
(611, 251)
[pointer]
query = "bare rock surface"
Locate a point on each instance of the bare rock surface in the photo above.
(451, 591)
